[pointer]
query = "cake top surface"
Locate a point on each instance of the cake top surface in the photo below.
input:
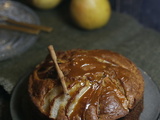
(101, 84)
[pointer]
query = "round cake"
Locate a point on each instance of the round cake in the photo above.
(101, 84)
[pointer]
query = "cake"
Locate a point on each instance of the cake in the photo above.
(101, 84)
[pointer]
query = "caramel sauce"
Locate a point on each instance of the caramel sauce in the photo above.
(73, 95)
(81, 106)
(94, 100)
(87, 65)
(91, 97)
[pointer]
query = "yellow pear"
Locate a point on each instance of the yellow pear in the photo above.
(45, 4)
(90, 14)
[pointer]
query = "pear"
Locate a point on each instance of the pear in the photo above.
(45, 4)
(90, 14)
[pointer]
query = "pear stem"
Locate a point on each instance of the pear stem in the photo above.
(60, 74)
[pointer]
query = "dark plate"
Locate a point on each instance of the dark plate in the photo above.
(19, 107)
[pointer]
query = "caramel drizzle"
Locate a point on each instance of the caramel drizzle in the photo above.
(80, 65)
(71, 99)
(85, 101)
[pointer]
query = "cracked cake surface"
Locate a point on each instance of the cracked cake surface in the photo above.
(102, 85)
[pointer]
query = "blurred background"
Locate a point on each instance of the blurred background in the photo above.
(146, 12)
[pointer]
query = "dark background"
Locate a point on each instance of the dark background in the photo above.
(146, 12)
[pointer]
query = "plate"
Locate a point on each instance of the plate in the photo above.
(19, 107)
(13, 42)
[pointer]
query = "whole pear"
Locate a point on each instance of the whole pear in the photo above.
(45, 4)
(90, 14)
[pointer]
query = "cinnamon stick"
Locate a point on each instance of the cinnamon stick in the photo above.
(33, 26)
(26, 30)
(60, 74)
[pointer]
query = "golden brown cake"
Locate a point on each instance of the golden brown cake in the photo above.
(102, 85)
